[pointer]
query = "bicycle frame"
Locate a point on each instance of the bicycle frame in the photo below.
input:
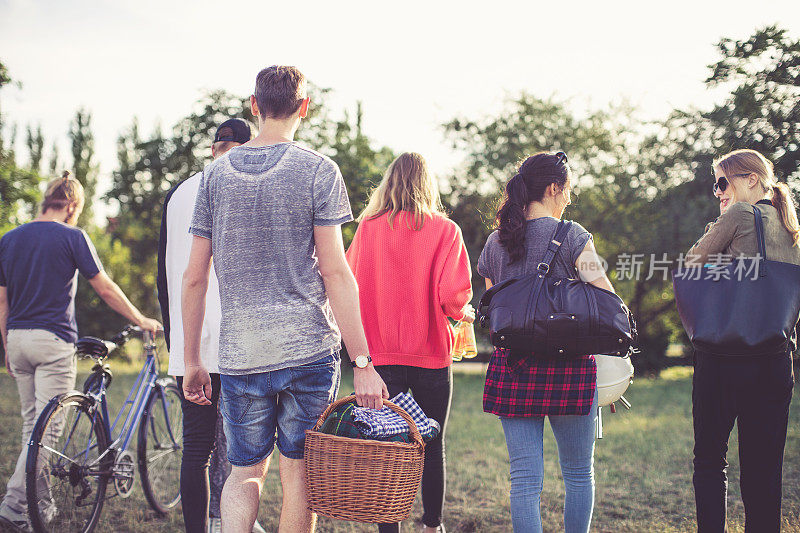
(137, 399)
(146, 410)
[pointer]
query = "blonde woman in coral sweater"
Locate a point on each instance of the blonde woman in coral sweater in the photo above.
(413, 272)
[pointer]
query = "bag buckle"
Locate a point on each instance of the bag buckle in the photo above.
(544, 268)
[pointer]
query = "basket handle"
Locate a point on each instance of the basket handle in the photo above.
(414, 432)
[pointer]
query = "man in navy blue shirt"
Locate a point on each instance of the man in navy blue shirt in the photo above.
(39, 265)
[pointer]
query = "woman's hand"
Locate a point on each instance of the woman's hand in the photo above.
(469, 314)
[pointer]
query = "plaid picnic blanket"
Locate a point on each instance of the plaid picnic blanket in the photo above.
(340, 422)
(384, 423)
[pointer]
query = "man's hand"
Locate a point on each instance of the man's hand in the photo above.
(370, 388)
(469, 314)
(148, 324)
(197, 385)
(8, 365)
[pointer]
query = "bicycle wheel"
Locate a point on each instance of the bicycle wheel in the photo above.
(160, 447)
(67, 470)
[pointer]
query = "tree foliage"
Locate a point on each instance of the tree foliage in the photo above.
(344, 141)
(641, 187)
(19, 187)
(35, 143)
(83, 167)
(763, 109)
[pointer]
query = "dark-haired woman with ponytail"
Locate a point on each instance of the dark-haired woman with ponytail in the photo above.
(752, 390)
(523, 392)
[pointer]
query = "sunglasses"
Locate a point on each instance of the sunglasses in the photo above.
(722, 183)
(561, 157)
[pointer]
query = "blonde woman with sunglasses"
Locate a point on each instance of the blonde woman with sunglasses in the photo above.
(754, 391)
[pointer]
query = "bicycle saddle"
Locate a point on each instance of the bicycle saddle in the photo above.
(92, 347)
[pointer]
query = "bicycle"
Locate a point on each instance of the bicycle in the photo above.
(72, 459)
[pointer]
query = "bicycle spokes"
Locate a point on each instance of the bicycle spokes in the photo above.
(69, 479)
(161, 448)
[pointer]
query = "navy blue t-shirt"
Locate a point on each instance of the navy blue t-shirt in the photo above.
(39, 265)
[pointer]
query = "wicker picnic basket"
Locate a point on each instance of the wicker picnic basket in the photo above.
(362, 480)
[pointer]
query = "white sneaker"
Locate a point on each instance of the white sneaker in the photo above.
(258, 529)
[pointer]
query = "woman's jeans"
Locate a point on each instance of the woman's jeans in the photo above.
(575, 438)
(432, 389)
(754, 391)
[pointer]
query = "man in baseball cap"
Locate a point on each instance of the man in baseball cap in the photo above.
(234, 130)
(202, 424)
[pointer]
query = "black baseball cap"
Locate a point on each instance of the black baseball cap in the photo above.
(234, 129)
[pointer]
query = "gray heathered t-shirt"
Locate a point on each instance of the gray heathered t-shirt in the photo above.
(259, 206)
(494, 260)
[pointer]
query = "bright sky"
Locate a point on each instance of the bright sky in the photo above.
(413, 64)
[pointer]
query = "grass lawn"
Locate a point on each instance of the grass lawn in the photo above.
(643, 466)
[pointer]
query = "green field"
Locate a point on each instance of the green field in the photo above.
(643, 467)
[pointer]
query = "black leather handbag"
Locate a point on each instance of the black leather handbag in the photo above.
(749, 307)
(543, 316)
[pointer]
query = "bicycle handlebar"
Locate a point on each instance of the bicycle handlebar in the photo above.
(100, 349)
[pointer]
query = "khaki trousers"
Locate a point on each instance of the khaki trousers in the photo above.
(44, 365)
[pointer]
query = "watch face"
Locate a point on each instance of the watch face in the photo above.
(362, 361)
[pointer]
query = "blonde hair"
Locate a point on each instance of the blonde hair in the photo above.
(408, 186)
(752, 162)
(62, 192)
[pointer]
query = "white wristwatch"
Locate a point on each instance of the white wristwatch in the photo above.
(361, 361)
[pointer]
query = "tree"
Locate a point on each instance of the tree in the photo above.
(35, 143)
(345, 142)
(5, 78)
(19, 192)
(763, 109)
(54, 162)
(83, 168)
(19, 187)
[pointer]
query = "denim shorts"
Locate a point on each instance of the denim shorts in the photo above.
(287, 401)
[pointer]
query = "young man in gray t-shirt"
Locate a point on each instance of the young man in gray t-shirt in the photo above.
(270, 212)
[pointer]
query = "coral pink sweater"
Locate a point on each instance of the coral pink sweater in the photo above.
(409, 282)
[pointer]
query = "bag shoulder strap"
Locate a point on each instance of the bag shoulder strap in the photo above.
(543, 268)
(762, 249)
(554, 246)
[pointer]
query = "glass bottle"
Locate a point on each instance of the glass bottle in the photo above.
(458, 341)
(469, 345)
